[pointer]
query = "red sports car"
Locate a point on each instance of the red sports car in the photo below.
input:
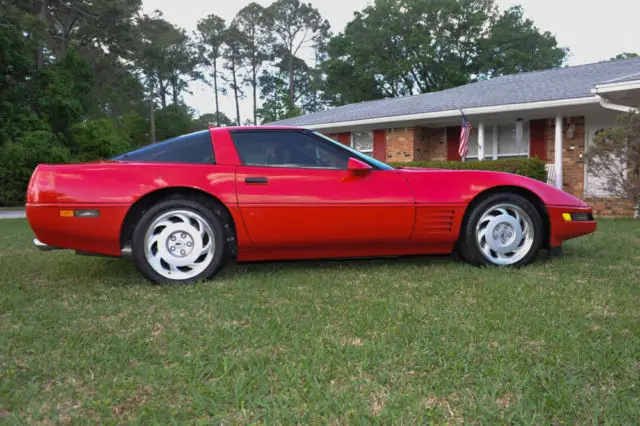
(182, 207)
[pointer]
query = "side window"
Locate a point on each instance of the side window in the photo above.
(287, 149)
(194, 148)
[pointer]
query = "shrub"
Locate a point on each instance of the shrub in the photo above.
(615, 158)
(98, 139)
(530, 167)
(18, 160)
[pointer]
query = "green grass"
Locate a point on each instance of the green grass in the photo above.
(11, 208)
(384, 341)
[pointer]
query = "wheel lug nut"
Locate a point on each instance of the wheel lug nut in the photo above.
(182, 252)
(189, 244)
(172, 248)
(173, 238)
(183, 235)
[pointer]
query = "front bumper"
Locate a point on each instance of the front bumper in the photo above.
(579, 222)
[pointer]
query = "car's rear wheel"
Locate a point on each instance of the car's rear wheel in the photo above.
(178, 241)
(502, 230)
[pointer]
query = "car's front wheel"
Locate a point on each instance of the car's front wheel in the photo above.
(503, 230)
(178, 241)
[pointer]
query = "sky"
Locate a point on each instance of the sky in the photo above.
(592, 33)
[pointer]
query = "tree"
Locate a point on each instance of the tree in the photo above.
(624, 55)
(103, 23)
(174, 120)
(211, 32)
(277, 104)
(234, 40)
(69, 87)
(166, 55)
(295, 25)
(403, 47)
(164, 58)
(615, 157)
(253, 23)
(59, 102)
(210, 120)
(180, 63)
(515, 45)
(134, 128)
(145, 56)
(18, 159)
(98, 139)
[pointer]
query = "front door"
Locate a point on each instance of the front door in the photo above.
(294, 190)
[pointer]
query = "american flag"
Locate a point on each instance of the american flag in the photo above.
(463, 149)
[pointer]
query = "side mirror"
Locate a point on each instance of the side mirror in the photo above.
(355, 165)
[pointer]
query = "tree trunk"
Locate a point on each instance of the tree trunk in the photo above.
(254, 84)
(292, 90)
(163, 93)
(235, 93)
(215, 90)
(42, 15)
(174, 88)
(152, 113)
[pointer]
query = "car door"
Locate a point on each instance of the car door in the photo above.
(294, 190)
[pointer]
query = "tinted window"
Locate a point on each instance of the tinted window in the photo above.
(192, 148)
(287, 149)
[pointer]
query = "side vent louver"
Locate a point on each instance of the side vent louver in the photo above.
(434, 220)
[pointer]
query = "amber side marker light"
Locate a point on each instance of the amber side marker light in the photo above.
(577, 217)
(79, 213)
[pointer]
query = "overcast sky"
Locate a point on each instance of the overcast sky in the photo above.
(592, 33)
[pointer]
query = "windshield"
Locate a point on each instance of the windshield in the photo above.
(361, 156)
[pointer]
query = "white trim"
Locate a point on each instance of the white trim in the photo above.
(522, 154)
(558, 151)
(585, 169)
(616, 87)
(494, 154)
(456, 113)
(481, 140)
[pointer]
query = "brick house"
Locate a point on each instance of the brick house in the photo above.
(553, 115)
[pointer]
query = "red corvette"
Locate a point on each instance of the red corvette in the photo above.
(180, 208)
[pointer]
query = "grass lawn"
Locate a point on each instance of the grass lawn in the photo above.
(384, 341)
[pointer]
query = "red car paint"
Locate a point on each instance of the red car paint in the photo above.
(301, 213)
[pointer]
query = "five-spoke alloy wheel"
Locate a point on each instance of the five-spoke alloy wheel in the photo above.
(503, 230)
(178, 241)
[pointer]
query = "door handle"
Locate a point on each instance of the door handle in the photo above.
(256, 180)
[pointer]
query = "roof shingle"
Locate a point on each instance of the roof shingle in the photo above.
(547, 85)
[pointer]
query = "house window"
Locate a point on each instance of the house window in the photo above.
(508, 143)
(362, 141)
(501, 140)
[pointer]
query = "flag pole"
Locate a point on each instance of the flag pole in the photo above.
(463, 159)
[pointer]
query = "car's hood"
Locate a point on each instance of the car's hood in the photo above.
(464, 185)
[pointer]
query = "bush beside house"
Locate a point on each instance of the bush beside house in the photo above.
(530, 167)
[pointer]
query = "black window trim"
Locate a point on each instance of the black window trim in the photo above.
(335, 146)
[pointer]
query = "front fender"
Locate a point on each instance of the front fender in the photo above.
(435, 186)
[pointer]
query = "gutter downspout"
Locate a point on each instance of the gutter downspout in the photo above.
(604, 102)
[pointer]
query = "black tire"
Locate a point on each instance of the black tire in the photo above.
(468, 245)
(173, 204)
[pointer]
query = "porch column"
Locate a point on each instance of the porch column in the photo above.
(495, 142)
(481, 140)
(558, 152)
